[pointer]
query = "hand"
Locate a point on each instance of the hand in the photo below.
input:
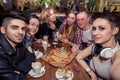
(75, 49)
(30, 49)
(39, 41)
(93, 75)
(65, 40)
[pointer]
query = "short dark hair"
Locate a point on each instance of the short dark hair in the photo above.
(12, 15)
(83, 11)
(113, 18)
(32, 16)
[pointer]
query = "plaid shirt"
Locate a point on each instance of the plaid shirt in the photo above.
(78, 33)
(61, 29)
(78, 36)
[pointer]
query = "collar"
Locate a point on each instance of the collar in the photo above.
(6, 45)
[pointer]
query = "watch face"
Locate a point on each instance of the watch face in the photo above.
(88, 70)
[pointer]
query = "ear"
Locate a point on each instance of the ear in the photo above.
(3, 30)
(89, 19)
(115, 30)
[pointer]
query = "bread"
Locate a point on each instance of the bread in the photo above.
(65, 72)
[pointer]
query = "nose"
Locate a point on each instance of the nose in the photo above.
(79, 21)
(21, 31)
(95, 32)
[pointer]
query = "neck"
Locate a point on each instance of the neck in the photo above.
(70, 26)
(86, 27)
(111, 43)
(12, 44)
(52, 25)
(28, 34)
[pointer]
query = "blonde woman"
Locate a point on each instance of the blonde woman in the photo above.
(47, 26)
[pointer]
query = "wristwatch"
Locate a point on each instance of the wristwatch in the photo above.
(88, 70)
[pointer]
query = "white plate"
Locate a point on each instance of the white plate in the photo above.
(59, 77)
(34, 75)
(39, 55)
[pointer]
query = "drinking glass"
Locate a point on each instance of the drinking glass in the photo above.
(45, 45)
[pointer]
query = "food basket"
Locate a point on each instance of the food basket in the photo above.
(58, 57)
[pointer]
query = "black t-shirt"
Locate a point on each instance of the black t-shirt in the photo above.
(44, 30)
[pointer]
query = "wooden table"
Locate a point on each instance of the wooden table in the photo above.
(79, 72)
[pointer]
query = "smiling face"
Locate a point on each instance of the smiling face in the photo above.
(33, 26)
(15, 31)
(103, 32)
(52, 16)
(82, 19)
(71, 19)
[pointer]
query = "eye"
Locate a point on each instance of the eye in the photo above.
(14, 27)
(72, 18)
(82, 19)
(32, 24)
(78, 19)
(93, 28)
(24, 29)
(101, 28)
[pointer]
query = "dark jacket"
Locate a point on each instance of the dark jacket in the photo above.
(11, 60)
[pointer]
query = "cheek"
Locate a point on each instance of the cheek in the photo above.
(78, 22)
(10, 35)
(36, 30)
(72, 21)
(107, 35)
(24, 33)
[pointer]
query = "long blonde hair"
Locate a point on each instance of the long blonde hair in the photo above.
(45, 14)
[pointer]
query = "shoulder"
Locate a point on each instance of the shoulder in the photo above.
(86, 52)
(116, 57)
(117, 54)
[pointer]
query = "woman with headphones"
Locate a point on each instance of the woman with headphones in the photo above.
(105, 51)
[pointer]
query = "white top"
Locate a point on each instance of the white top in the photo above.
(102, 68)
(87, 35)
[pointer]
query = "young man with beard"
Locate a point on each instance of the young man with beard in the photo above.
(15, 60)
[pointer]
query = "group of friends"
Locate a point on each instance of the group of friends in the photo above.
(92, 38)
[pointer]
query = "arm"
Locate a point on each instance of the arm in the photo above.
(61, 28)
(78, 36)
(115, 68)
(80, 58)
(30, 49)
(24, 64)
(6, 70)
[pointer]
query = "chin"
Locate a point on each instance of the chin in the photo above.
(98, 42)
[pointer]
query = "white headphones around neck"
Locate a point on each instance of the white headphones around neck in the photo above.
(105, 52)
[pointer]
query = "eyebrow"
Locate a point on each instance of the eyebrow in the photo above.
(17, 26)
